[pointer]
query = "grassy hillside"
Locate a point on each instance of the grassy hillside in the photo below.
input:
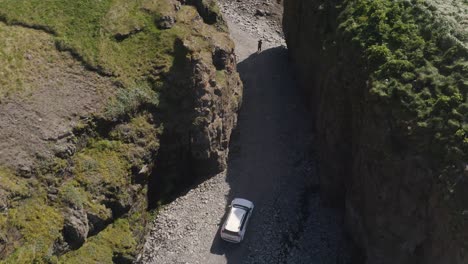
(101, 182)
(102, 33)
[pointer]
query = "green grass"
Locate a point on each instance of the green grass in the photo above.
(12, 185)
(115, 239)
(419, 71)
(128, 102)
(77, 23)
(73, 194)
(30, 225)
(140, 131)
(102, 172)
(101, 162)
(221, 78)
(88, 28)
(38, 224)
(16, 70)
(108, 162)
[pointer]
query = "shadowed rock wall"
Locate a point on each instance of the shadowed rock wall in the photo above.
(387, 154)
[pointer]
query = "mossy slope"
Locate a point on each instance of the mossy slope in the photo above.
(387, 81)
(419, 68)
(115, 149)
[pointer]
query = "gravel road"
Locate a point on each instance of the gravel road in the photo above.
(271, 163)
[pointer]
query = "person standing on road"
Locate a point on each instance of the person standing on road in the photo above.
(259, 46)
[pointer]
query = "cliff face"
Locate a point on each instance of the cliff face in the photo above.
(199, 114)
(95, 97)
(387, 83)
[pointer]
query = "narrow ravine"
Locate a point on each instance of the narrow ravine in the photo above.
(271, 163)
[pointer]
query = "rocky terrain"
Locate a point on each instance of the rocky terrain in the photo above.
(387, 84)
(258, 19)
(96, 98)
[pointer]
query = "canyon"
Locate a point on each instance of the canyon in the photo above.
(127, 127)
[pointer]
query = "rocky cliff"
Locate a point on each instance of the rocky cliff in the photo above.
(387, 82)
(96, 100)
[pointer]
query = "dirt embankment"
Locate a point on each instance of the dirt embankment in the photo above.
(93, 96)
(37, 119)
(387, 82)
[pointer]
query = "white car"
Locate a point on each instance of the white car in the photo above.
(234, 227)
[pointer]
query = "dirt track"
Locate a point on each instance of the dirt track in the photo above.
(271, 163)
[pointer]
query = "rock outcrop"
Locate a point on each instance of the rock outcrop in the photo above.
(213, 96)
(387, 84)
(203, 92)
(76, 228)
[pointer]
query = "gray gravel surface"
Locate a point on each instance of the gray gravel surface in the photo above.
(271, 163)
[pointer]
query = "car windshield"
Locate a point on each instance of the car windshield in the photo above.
(241, 207)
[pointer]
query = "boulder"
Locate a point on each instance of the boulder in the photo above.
(166, 22)
(76, 228)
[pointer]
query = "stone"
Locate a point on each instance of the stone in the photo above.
(64, 150)
(75, 230)
(212, 82)
(144, 170)
(25, 171)
(260, 12)
(52, 190)
(52, 197)
(166, 22)
(97, 223)
(3, 201)
(220, 58)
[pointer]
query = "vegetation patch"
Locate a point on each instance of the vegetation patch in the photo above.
(88, 29)
(21, 53)
(101, 162)
(11, 186)
(115, 241)
(210, 12)
(29, 222)
(117, 37)
(37, 224)
(128, 102)
(419, 69)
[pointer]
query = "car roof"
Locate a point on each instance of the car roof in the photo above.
(233, 222)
